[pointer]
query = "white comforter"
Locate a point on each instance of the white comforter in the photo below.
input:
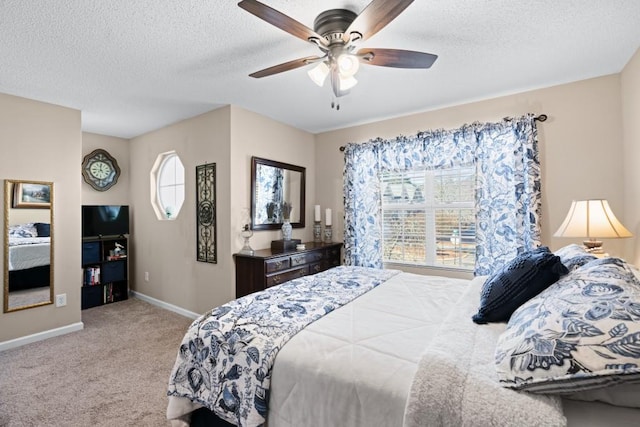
(354, 367)
(28, 252)
(456, 382)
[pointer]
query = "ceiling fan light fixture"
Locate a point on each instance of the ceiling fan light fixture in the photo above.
(319, 73)
(347, 83)
(348, 64)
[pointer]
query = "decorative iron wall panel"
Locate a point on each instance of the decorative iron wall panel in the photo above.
(206, 213)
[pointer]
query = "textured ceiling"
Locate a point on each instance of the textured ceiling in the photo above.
(132, 66)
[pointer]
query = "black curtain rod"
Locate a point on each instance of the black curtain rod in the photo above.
(538, 118)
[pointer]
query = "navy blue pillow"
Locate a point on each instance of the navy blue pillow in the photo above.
(517, 282)
(43, 229)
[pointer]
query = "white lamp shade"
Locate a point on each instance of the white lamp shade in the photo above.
(319, 73)
(347, 83)
(591, 219)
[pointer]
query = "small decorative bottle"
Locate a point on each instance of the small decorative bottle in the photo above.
(286, 223)
(246, 234)
(286, 229)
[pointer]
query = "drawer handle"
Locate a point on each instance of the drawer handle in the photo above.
(276, 279)
(317, 268)
(279, 265)
(298, 261)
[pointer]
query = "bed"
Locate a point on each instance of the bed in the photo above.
(29, 256)
(403, 352)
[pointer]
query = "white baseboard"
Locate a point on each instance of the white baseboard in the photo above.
(17, 342)
(165, 305)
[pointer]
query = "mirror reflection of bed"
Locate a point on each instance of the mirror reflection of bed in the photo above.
(28, 240)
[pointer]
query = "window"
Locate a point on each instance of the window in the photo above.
(167, 179)
(428, 217)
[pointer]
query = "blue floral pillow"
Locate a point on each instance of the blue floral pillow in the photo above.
(23, 230)
(518, 281)
(574, 256)
(581, 333)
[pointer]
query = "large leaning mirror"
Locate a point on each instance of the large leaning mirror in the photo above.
(272, 185)
(28, 244)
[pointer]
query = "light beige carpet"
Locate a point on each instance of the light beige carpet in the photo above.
(112, 373)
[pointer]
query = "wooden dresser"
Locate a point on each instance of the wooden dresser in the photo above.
(267, 268)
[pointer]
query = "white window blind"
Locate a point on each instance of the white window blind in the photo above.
(428, 217)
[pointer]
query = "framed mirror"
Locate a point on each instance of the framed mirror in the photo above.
(28, 244)
(272, 185)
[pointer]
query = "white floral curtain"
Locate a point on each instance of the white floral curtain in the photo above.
(507, 186)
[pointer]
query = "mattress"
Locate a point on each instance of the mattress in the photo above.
(28, 252)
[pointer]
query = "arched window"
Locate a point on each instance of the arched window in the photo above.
(167, 185)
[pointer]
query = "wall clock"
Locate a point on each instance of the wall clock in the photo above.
(100, 170)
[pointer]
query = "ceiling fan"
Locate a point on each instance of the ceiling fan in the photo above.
(337, 32)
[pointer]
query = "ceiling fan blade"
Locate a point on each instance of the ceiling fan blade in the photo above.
(281, 21)
(397, 58)
(375, 17)
(286, 66)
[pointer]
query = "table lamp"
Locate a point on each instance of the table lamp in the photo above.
(592, 219)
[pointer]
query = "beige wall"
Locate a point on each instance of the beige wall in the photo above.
(119, 149)
(256, 135)
(630, 89)
(580, 144)
(167, 249)
(43, 142)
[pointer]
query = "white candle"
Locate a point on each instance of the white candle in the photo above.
(317, 214)
(328, 217)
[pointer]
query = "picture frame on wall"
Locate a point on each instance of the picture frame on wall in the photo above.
(31, 195)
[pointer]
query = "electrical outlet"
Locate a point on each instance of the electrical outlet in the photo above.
(61, 300)
(146, 276)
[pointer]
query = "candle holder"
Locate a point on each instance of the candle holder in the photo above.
(328, 234)
(317, 232)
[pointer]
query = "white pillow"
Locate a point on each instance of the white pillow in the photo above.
(574, 256)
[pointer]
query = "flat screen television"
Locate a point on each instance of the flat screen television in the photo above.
(105, 220)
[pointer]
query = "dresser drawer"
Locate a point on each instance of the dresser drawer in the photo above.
(333, 262)
(317, 267)
(277, 264)
(306, 258)
(334, 253)
(278, 278)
